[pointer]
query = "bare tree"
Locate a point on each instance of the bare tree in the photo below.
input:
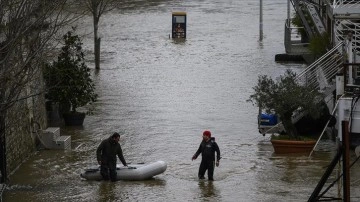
(97, 9)
(26, 30)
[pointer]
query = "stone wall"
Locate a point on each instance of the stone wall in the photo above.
(23, 120)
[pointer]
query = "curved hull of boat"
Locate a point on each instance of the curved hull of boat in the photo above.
(132, 172)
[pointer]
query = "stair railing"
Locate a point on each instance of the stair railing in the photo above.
(329, 64)
(323, 70)
(346, 3)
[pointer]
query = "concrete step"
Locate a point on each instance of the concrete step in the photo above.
(51, 139)
(63, 142)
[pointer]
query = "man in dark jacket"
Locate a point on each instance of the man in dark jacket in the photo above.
(106, 156)
(207, 148)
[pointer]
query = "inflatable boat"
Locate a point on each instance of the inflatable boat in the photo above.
(132, 172)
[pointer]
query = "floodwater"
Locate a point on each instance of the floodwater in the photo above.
(160, 95)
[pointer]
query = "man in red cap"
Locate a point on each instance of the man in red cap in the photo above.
(207, 148)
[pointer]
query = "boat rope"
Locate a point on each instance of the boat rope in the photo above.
(326, 125)
(274, 126)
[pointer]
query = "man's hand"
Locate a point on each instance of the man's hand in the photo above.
(99, 162)
(193, 158)
(217, 163)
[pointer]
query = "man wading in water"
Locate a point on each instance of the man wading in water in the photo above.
(106, 156)
(207, 148)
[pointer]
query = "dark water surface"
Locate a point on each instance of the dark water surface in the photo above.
(160, 95)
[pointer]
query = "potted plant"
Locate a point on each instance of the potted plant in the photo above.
(69, 82)
(320, 44)
(285, 97)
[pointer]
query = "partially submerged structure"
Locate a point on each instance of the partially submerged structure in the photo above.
(179, 24)
(335, 73)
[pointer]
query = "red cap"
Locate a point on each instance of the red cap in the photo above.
(207, 133)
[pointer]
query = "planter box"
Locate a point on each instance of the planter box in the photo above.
(74, 119)
(292, 146)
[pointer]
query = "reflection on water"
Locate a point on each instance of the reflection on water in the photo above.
(106, 191)
(208, 190)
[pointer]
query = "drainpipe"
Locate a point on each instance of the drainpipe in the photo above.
(350, 57)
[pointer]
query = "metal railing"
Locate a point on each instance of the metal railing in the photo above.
(345, 26)
(320, 74)
(346, 3)
(347, 9)
(293, 40)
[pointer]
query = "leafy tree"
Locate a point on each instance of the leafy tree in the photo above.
(285, 96)
(97, 8)
(320, 44)
(68, 79)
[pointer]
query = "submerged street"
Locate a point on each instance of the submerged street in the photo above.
(161, 94)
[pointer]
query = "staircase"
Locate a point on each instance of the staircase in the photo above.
(346, 17)
(310, 17)
(346, 26)
(346, 9)
(51, 139)
(314, 14)
(321, 74)
(312, 24)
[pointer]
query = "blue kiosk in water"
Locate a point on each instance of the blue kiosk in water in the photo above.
(179, 24)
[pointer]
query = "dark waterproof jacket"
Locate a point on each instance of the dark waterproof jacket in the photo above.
(207, 150)
(107, 151)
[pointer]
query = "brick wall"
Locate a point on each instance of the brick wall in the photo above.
(21, 141)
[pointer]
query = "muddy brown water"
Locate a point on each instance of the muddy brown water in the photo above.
(160, 95)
